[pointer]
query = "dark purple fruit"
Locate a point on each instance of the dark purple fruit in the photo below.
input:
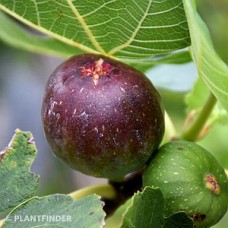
(101, 117)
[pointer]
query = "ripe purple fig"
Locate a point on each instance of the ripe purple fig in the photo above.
(102, 117)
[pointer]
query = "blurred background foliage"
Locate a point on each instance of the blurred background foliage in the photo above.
(215, 14)
(23, 77)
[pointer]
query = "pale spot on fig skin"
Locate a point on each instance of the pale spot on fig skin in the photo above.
(85, 118)
(103, 128)
(212, 184)
(96, 129)
(58, 116)
(52, 106)
(122, 89)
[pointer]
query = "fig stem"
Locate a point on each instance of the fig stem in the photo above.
(103, 190)
(2, 222)
(193, 132)
(226, 171)
(170, 130)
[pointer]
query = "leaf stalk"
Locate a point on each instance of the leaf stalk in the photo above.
(194, 131)
(103, 190)
(2, 222)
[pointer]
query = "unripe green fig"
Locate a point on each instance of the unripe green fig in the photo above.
(102, 117)
(191, 180)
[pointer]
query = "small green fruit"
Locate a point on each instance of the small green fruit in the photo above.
(191, 180)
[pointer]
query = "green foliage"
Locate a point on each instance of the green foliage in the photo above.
(19, 37)
(196, 98)
(179, 57)
(142, 33)
(17, 182)
(215, 15)
(147, 211)
(61, 209)
(18, 186)
(210, 66)
(129, 29)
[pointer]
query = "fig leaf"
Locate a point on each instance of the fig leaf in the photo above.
(147, 211)
(17, 182)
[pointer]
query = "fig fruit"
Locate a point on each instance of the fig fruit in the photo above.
(102, 117)
(191, 180)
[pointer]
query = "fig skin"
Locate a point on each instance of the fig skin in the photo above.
(191, 180)
(102, 117)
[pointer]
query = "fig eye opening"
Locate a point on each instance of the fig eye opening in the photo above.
(96, 69)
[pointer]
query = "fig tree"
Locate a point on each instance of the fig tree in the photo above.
(191, 180)
(102, 117)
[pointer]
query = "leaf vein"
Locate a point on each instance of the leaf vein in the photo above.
(163, 26)
(116, 49)
(218, 70)
(47, 32)
(205, 78)
(85, 27)
(159, 41)
(165, 11)
(97, 9)
(37, 12)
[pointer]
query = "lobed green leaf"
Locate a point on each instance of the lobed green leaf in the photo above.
(147, 211)
(179, 57)
(57, 211)
(211, 69)
(17, 36)
(17, 183)
(123, 29)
